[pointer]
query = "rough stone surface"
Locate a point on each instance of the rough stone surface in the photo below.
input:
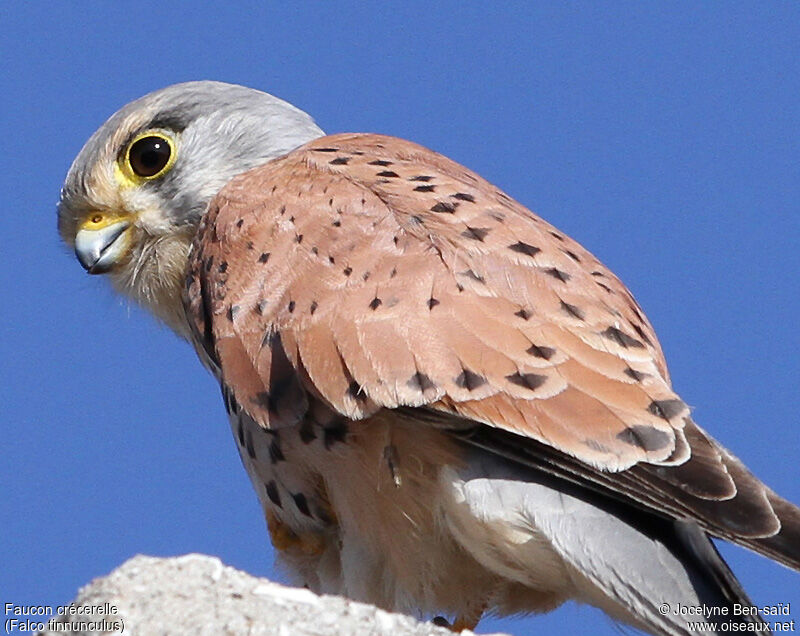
(199, 595)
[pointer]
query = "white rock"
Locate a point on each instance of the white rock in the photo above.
(199, 595)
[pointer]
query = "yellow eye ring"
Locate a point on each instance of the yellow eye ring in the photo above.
(149, 155)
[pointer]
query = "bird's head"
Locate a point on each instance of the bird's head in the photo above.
(135, 194)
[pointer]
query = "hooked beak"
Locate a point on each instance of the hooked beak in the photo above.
(99, 249)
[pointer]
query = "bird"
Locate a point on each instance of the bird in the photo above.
(447, 407)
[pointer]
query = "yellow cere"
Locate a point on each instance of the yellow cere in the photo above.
(100, 220)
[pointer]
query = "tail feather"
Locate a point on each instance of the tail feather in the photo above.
(709, 564)
(629, 562)
(783, 547)
(754, 517)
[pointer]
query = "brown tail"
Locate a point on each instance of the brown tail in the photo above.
(783, 547)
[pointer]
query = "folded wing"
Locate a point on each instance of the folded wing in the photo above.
(366, 272)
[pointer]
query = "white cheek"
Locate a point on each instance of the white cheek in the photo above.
(146, 207)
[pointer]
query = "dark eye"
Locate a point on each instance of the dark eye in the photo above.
(149, 156)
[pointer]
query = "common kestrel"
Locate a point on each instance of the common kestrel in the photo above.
(445, 404)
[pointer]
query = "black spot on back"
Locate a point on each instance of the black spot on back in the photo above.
(541, 352)
(339, 161)
(621, 338)
(470, 274)
(469, 380)
(375, 303)
(421, 177)
(530, 381)
(572, 310)
(557, 274)
(380, 162)
(642, 334)
(463, 196)
(432, 302)
(444, 207)
(425, 188)
(524, 248)
(475, 233)
(524, 314)
(421, 382)
(645, 437)
(667, 409)
(388, 173)
(264, 257)
(636, 375)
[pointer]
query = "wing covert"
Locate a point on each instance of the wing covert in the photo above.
(387, 276)
(362, 272)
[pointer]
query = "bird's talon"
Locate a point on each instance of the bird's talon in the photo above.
(457, 626)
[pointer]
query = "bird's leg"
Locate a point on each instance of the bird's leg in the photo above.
(284, 538)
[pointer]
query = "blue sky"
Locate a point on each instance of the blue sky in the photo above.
(665, 138)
